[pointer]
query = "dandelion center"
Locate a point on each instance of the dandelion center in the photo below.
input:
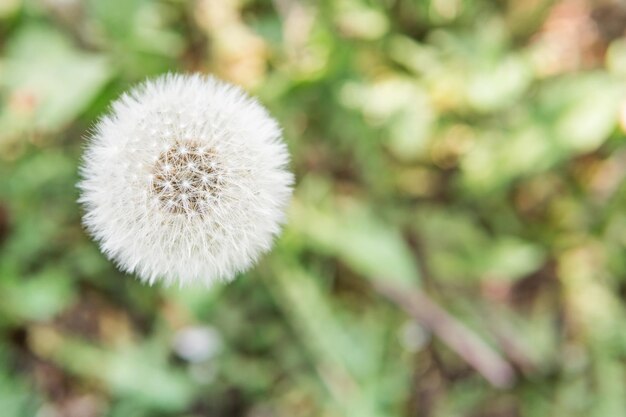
(186, 178)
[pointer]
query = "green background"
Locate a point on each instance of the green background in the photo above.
(455, 244)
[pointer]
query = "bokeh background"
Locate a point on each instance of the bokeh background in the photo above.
(456, 244)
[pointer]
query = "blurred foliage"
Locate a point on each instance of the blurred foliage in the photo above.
(469, 151)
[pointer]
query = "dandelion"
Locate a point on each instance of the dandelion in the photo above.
(185, 181)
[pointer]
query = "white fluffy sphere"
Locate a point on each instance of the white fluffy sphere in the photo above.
(185, 181)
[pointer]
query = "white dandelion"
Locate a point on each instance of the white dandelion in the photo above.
(185, 181)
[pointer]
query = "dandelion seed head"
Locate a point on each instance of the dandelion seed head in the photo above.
(195, 198)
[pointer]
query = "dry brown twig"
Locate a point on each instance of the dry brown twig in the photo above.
(458, 337)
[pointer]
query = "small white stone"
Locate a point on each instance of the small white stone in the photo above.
(197, 344)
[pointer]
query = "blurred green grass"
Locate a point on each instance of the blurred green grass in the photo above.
(456, 243)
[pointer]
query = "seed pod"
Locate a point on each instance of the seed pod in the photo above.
(185, 181)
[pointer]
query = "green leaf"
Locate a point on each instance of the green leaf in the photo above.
(38, 297)
(365, 243)
(140, 372)
(48, 82)
(341, 363)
